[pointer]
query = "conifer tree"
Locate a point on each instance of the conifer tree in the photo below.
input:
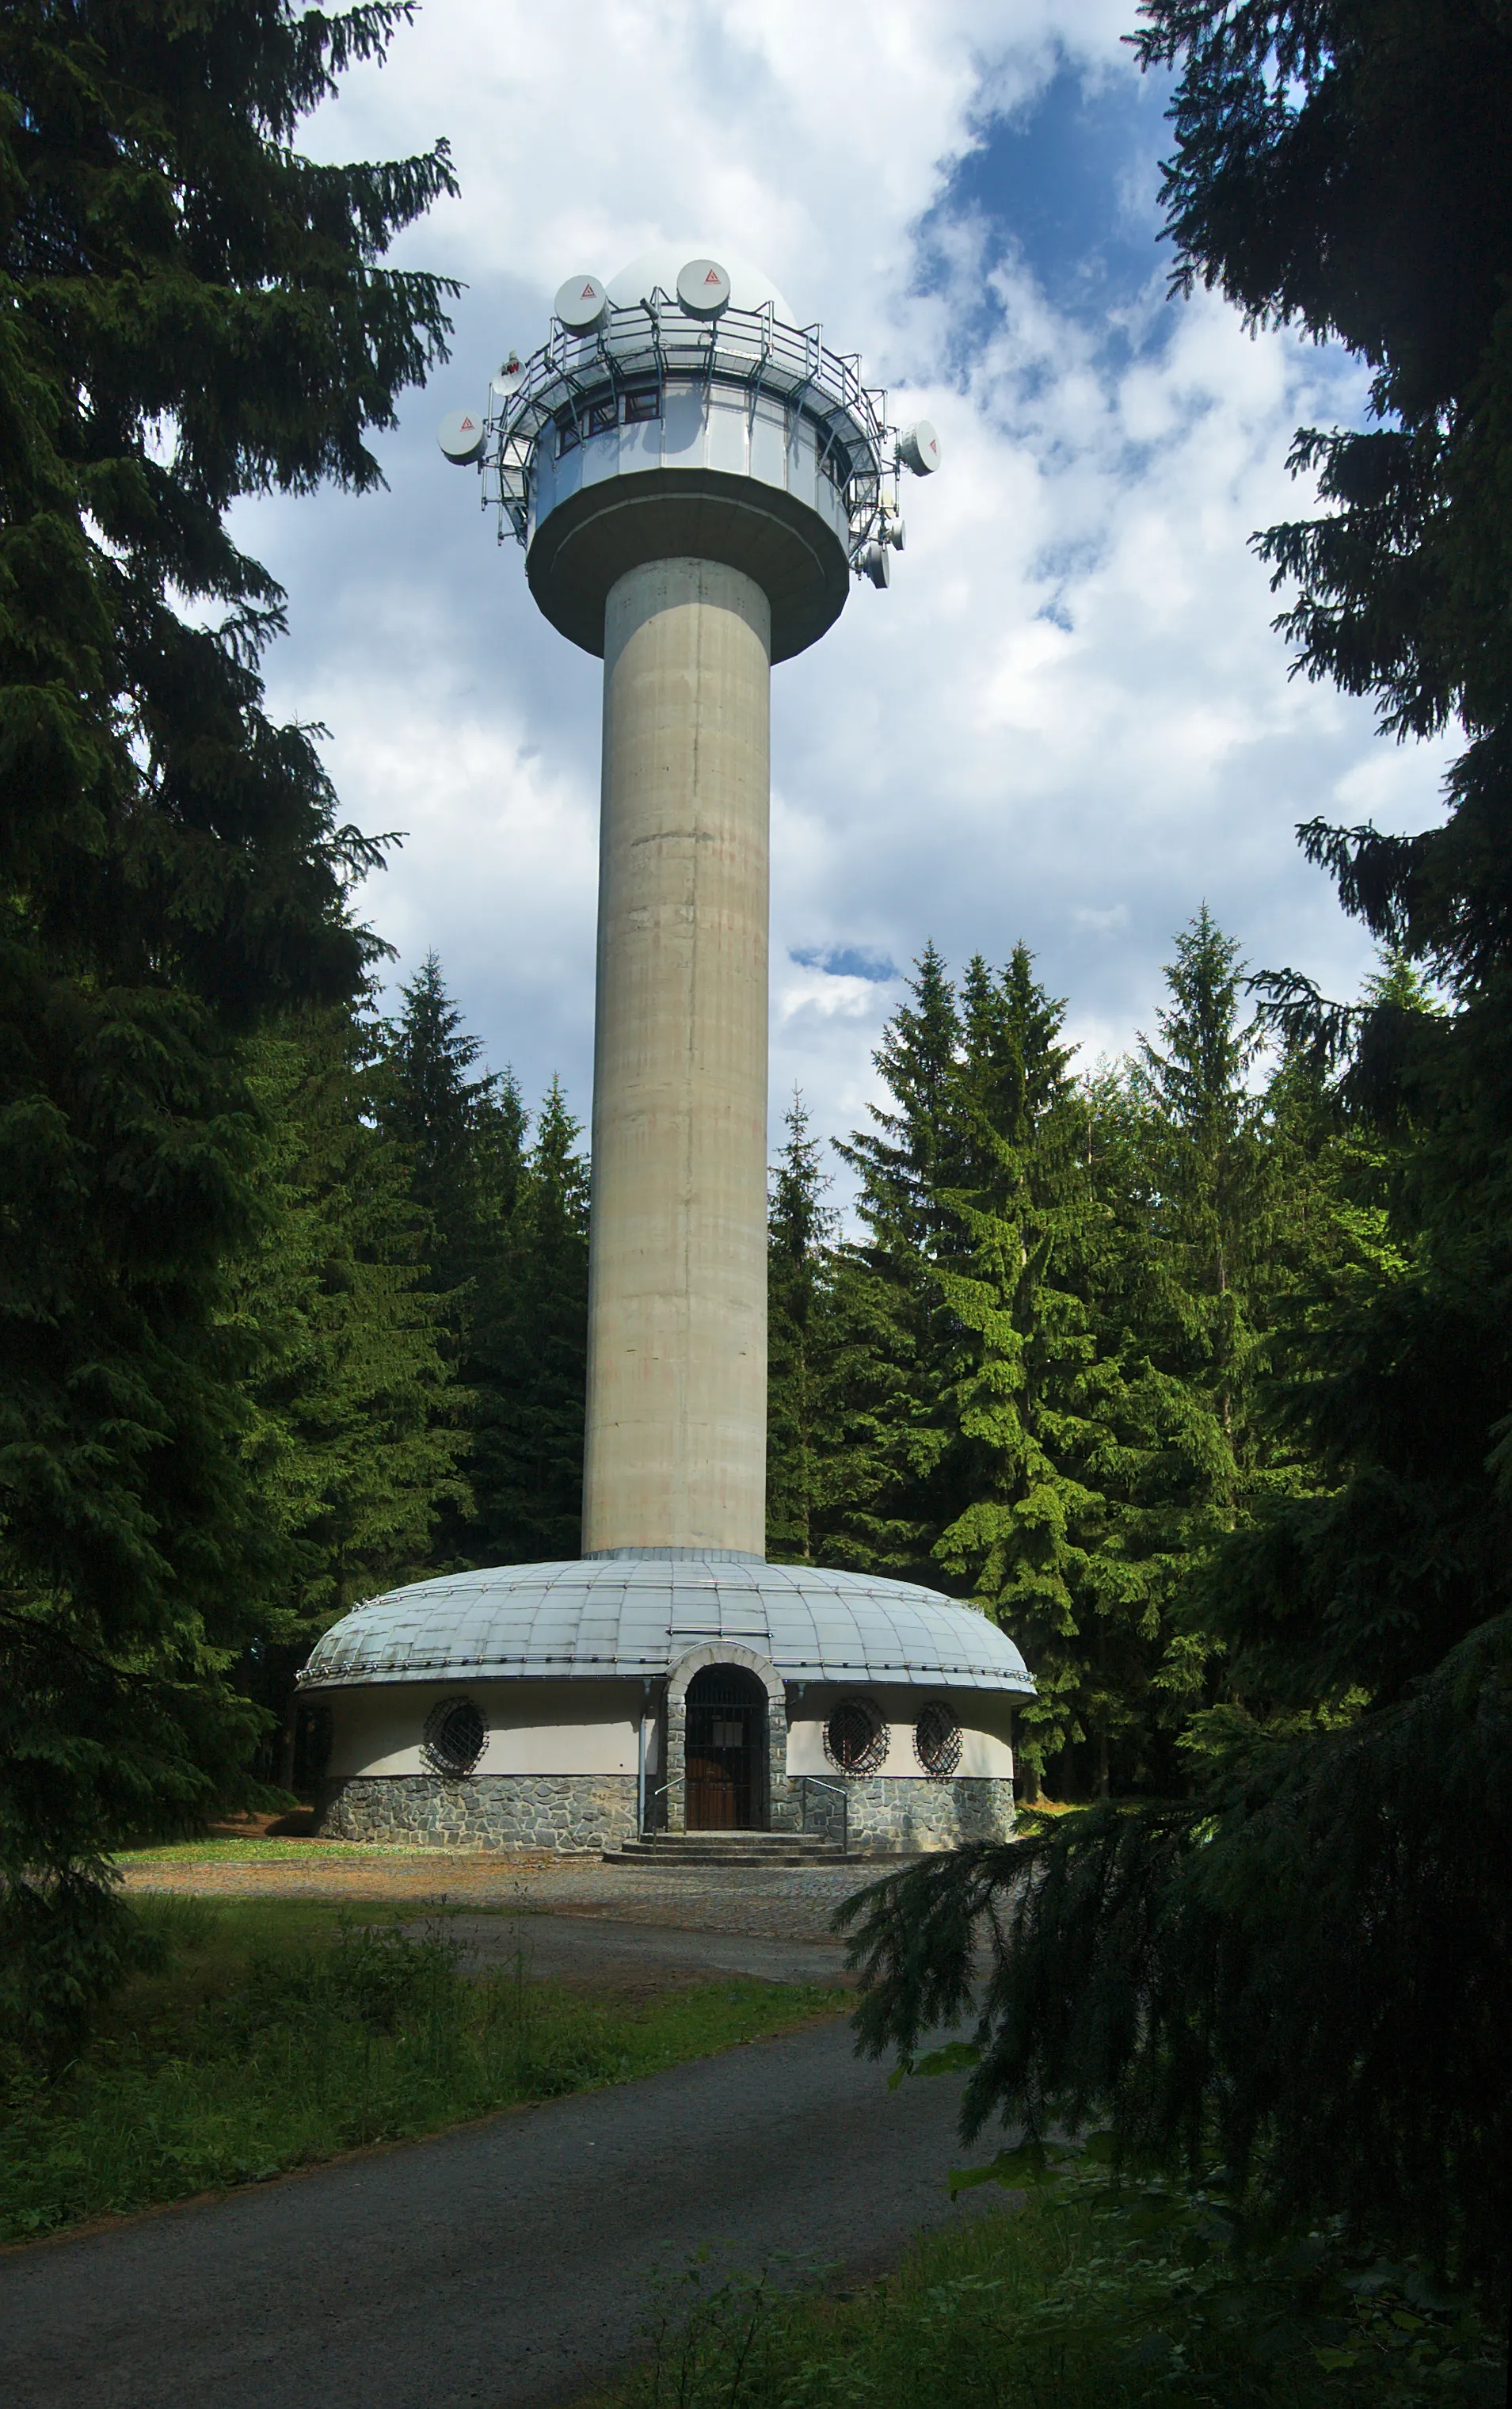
(191, 312)
(801, 1230)
(901, 1354)
(823, 1455)
(1206, 1167)
(1027, 1523)
(528, 1357)
(353, 1440)
(456, 1130)
(1299, 1973)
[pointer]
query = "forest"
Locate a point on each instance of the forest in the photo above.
(1195, 1369)
(1047, 1372)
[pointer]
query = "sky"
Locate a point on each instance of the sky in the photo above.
(1069, 720)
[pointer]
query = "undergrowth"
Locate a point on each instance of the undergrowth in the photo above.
(272, 2036)
(1085, 2297)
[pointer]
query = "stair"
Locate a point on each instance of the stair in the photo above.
(762, 1849)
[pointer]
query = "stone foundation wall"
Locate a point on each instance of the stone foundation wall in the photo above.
(562, 1811)
(892, 1815)
(575, 1812)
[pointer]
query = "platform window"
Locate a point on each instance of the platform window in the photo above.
(569, 434)
(604, 416)
(641, 402)
(836, 464)
(455, 1736)
(856, 1738)
(937, 1740)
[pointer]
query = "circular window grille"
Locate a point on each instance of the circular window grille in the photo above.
(937, 1740)
(455, 1736)
(856, 1738)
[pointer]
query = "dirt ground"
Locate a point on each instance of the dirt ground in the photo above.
(786, 1904)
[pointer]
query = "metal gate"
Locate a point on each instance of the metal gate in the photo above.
(727, 1749)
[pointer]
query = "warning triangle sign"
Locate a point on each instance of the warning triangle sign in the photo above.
(713, 277)
(589, 293)
(466, 426)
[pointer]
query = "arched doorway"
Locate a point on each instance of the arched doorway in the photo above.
(727, 1751)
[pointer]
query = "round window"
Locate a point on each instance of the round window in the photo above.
(455, 1736)
(937, 1740)
(856, 1738)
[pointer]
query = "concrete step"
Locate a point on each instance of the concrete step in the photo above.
(726, 1849)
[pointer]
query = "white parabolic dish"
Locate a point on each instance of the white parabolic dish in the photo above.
(750, 287)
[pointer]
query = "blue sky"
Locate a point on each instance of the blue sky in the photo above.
(1068, 721)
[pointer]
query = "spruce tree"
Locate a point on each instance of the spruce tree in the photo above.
(1299, 1973)
(901, 1355)
(1027, 1522)
(527, 1363)
(823, 1467)
(353, 1440)
(192, 313)
(456, 1130)
(801, 1230)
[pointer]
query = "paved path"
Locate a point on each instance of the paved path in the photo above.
(503, 2266)
(596, 1951)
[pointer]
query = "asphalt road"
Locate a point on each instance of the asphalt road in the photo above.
(505, 2265)
(628, 1957)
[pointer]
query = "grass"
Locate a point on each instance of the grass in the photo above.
(1081, 2299)
(275, 2034)
(237, 1847)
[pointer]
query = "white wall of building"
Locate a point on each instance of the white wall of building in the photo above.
(590, 1727)
(578, 1726)
(983, 1716)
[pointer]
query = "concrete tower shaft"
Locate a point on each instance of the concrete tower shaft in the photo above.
(695, 480)
(677, 1333)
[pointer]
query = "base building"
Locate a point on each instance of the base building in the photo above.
(572, 1706)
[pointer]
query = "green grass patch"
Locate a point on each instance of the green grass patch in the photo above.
(237, 1847)
(1081, 2299)
(276, 2034)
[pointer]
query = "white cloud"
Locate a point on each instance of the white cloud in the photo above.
(1068, 721)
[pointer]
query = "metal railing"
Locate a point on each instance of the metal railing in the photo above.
(655, 340)
(837, 1789)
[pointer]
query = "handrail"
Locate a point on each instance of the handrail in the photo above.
(747, 348)
(841, 1794)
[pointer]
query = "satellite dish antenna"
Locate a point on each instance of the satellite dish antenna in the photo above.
(703, 287)
(461, 436)
(874, 561)
(581, 303)
(918, 448)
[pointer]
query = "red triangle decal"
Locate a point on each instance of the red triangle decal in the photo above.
(713, 277)
(466, 426)
(588, 293)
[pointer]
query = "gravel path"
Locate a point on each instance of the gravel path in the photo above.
(504, 2265)
(777, 1903)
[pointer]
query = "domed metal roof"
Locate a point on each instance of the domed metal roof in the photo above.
(635, 1613)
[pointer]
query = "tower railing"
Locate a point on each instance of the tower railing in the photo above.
(751, 350)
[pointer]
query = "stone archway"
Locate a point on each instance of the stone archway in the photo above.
(779, 1813)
